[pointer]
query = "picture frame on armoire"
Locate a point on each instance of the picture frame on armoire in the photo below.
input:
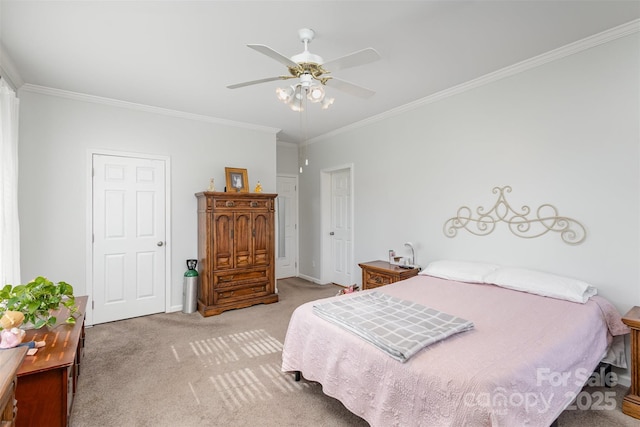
(237, 180)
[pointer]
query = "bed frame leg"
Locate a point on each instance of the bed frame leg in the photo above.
(607, 376)
(602, 375)
(297, 375)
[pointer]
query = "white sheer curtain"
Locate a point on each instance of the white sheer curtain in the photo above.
(9, 226)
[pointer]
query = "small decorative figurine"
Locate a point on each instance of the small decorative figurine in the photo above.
(12, 335)
(211, 186)
(258, 187)
(349, 290)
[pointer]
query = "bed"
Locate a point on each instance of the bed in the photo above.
(525, 360)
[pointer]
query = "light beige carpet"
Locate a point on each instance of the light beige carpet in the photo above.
(185, 370)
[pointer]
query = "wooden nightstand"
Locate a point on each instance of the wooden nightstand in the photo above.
(380, 273)
(631, 402)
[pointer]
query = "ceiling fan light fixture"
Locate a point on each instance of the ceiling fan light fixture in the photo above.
(285, 95)
(315, 93)
(327, 102)
(297, 100)
(299, 93)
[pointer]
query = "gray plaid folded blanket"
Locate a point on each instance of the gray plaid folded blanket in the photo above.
(399, 327)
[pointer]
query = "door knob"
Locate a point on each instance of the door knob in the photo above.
(160, 243)
(331, 233)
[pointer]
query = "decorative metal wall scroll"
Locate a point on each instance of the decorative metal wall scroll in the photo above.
(546, 220)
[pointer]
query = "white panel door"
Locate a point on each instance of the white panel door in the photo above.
(128, 237)
(287, 224)
(340, 228)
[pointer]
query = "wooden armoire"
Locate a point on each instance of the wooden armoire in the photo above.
(235, 251)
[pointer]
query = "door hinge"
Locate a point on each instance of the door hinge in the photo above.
(93, 304)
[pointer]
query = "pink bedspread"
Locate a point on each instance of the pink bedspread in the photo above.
(523, 364)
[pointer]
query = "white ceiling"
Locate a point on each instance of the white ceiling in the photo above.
(181, 55)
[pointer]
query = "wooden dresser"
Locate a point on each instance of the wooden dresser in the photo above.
(380, 273)
(631, 402)
(10, 360)
(48, 380)
(236, 259)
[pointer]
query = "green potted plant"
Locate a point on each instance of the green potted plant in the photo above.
(38, 300)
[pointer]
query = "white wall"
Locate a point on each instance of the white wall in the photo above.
(56, 134)
(564, 133)
(287, 158)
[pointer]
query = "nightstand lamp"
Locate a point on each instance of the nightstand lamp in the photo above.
(413, 254)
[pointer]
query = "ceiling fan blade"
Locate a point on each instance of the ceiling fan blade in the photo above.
(255, 82)
(266, 50)
(350, 88)
(360, 57)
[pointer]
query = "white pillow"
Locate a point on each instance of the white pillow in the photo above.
(461, 271)
(539, 283)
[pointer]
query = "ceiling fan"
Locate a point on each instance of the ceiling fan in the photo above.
(312, 73)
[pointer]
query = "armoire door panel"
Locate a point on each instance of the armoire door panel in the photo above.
(223, 247)
(242, 240)
(261, 238)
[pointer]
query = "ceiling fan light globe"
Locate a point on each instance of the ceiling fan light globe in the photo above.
(285, 95)
(327, 102)
(315, 93)
(299, 93)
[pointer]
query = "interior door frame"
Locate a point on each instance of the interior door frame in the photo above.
(89, 223)
(325, 218)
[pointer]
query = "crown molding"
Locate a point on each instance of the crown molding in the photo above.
(528, 64)
(8, 70)
(286, 144)
(141, 107)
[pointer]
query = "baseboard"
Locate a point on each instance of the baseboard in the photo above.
(175, 308)
(311, 279)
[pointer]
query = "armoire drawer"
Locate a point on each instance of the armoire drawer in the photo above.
(241, 204)
(226, 279)
(241, 292)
